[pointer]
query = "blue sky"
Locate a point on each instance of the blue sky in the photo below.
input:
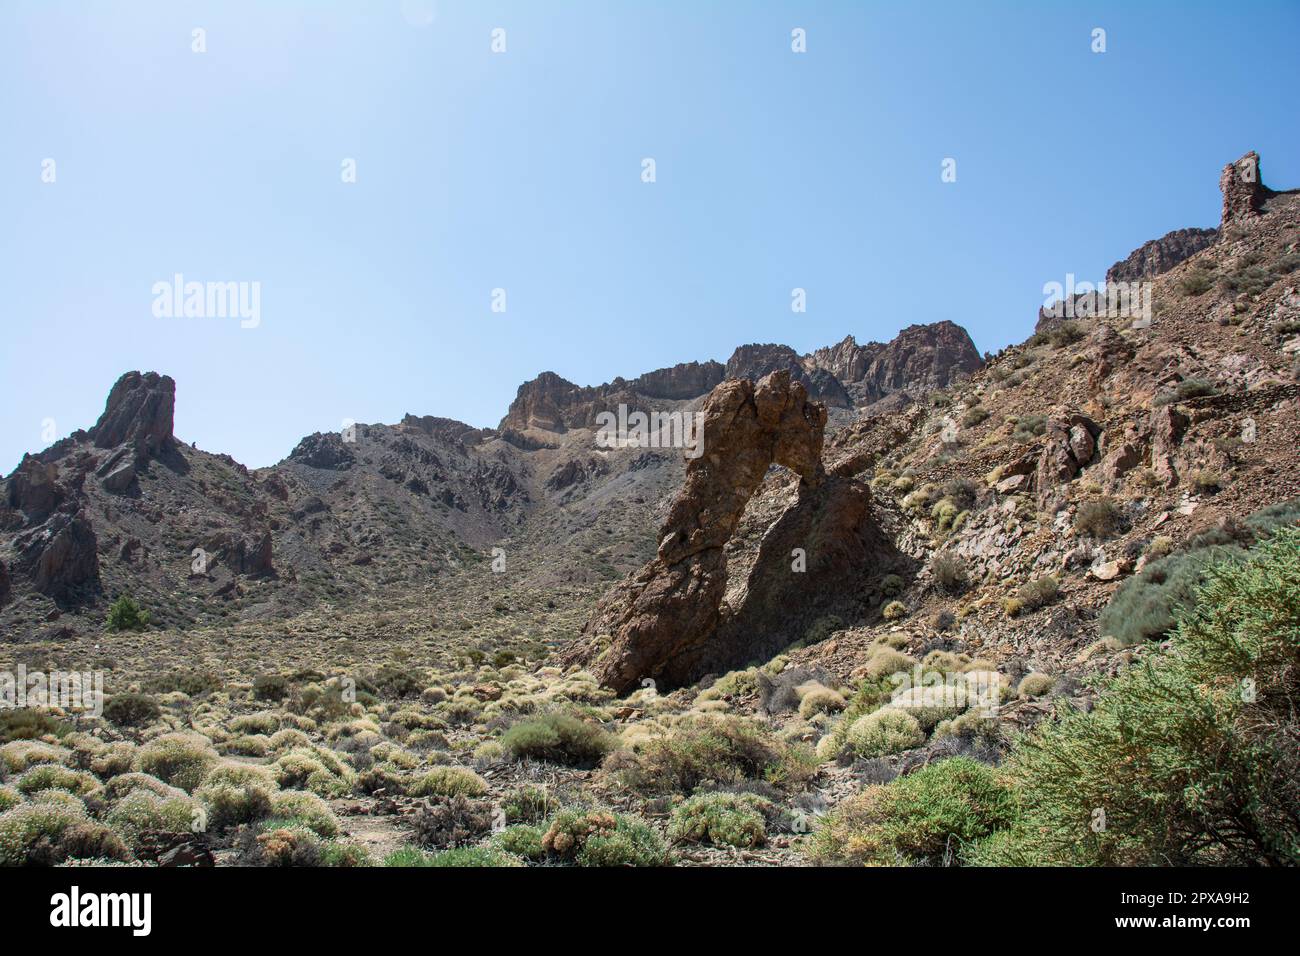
(522, 170)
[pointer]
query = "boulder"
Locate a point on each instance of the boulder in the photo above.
(120, 479)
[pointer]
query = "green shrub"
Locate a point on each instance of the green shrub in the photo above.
(950, 573)
(448, 782)
(1101, 518)
(723, 819)
(306, 809)
(1037, 593)
(720, 750)
(464, 856)
(558, 738)
(522, 840)
(529, 804)
(1035, 685)
(27, 723)
(9, 798)
(27, 831)
(141, 811)
(1195, 282)
(600, 838)
(126, 615)
(229, 804)
(179, 759)
(1027, 427)
(1188, 389)
(344, 855)
(1145, 606)
(894, 611)
(884, 731)
(1188, 758)
(271, 687)
(927, 817)
(48, 776)
(131, 710)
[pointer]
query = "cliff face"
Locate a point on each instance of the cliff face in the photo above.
(1160, 255)
(921, 358)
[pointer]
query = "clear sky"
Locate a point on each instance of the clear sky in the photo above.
(522, 170)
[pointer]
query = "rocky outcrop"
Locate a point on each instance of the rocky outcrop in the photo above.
(247, 556)
(324, 450)
(1243, 189)
(1070, 446)
(446, 429)
(683, 381)
(6, 587)
(661, 623)
(1160, 255)
(920, 358)
(755, 361)
(139, 411)
(551, 403)
(61, 556)
(847, 360)
(34, 490)
(1167, 427)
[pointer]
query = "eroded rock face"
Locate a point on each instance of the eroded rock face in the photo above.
(140, 411)
(755, 361)
(661, 623)
(1070, 446)
(1243, 189)
(61, 556)
(34, 490)
(1160, 255)
(324, 450)
(921, 358)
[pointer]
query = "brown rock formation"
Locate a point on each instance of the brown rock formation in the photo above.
(662, 621)
(1243, 189)
(1160, 255)
(755, 361)
(34, 490)
(61, 556)
(921, 358)
(1070, 446)
(139, 410)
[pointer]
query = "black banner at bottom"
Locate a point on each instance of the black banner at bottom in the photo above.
(143, 907)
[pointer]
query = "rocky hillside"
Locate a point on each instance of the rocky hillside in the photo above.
(1003, 512)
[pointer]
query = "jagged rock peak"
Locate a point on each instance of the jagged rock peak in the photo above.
(140, 410)
(1243, 189)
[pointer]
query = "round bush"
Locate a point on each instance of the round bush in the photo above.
(181, 760)
(885, 731)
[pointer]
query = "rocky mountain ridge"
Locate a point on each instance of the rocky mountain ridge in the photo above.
(125, 507)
